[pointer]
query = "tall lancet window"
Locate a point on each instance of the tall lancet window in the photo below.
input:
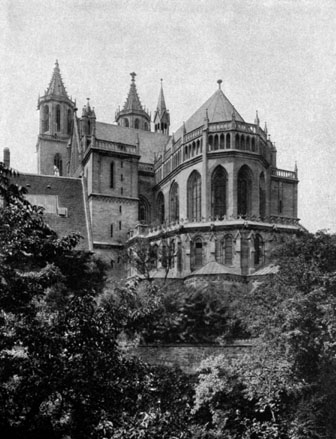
(218, 192)
(160, 209)
(244, 191)
(58, 165)
(194, 186)
(58, 117)
(262, 196)
(174, 202)
(45, 119)
(69, 122)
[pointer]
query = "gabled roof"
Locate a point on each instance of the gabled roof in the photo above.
(218, 108)
(150, 143)
(56, 86)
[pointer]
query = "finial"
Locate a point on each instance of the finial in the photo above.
(219, 82)
(161, 81)
(296, 168)
(133, 76)
(265, 128)
(256, 120)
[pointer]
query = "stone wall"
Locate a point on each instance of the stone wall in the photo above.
(189, 357)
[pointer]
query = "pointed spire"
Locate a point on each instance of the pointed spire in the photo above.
(265, 129)
(56, 86)
(256, 120)
(133, 101)
(161, 106)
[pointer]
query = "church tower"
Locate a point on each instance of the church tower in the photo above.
(133, 115)
(56, 120)
(161, 116)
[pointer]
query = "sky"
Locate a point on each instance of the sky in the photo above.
(277, 57)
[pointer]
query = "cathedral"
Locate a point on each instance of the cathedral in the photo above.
(209, 198)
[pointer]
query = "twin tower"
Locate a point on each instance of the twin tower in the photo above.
(57, 114)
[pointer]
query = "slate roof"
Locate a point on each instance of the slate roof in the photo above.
(264, 271)
(219, 109)
(150, 143)
(214, 268)
(56, 86)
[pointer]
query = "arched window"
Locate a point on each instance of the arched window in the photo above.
(228, 250)
(194, 196)
(126, 123)
(218, 192)
(210, 142)
(197, 254)
(242, 142)
(221, 143)
(237, 146)
(154, 255)
(45, 120)
(248, 143)
(146, 126)
(136, 123)
(112, 175)
(216, 142)
(174, 202)
(244, 191)
(228, 141)
(58, 117)
(69, 121)
(58, 165)
(253, 144)
(219, 250)
(160, 209)
(144, 210)
(262, 196)
(258, 250)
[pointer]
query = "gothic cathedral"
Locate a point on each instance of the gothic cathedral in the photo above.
(209, 195)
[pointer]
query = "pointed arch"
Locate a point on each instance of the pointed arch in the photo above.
(45, 119)
(228, 252)
(126, 122)
(69, 121)
(196, 261)
(137, 124)
(58, 117)
(222, 139)
(144, 210)
(258, 250)
(218, 192)
(244, 201)
(228, 141)
(174, 205)
(194, 186)
(262, 196)
(160, 208)
(58, 164)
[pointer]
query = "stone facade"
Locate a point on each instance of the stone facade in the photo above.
(210, 195)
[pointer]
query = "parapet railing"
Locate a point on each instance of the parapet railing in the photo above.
(143, 229)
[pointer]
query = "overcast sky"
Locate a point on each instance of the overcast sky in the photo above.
(275, 56)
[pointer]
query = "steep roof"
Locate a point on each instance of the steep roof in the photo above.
(214, 268)
(56, 86)
(219, 109)
(149, 142)
(133, 101)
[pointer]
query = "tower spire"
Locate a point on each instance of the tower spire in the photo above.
(161, 116)
(56, 86)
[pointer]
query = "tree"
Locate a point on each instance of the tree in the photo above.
(62, 371)
(286, 388)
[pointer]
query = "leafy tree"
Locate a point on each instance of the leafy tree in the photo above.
(62, 371)
(286, 388)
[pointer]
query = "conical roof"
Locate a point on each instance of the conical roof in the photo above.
(56, 86)
(161, 106)
(133, 101)
(219, 109)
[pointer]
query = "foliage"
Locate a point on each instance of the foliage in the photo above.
(286, 389)
(62, 372)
